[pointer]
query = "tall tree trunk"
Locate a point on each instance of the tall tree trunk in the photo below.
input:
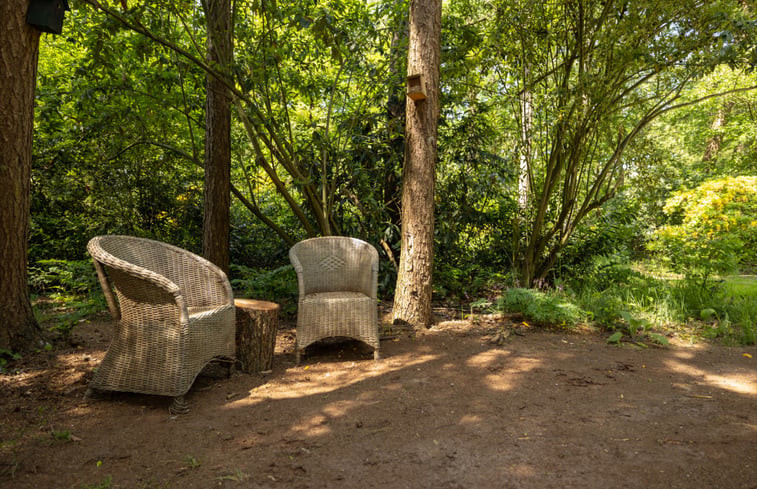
(524, 175)
(216, 220)
(412, 300)
(19, 48)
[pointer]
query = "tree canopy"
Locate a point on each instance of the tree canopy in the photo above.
(564, 125)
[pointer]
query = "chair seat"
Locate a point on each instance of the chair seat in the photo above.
(335, 297)
(330, 314)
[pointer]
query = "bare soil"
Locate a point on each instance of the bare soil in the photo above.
(448, 408)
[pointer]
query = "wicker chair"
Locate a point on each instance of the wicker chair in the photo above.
(338, 280)
(175, 313)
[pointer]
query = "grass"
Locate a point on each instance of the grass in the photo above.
(744, 285)
(726, 308)
(632, 304)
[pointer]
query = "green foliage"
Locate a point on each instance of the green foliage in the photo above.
(277, 285)
(540, 307)
(464, 282)
(67, 291)
(112, 140)
(578, 82)
(712, 230)
(637, 329)
(637, 306)
(7, 356)
(120, 118)
(61, 436)
(53, 275)
(609, 236)
(192, 462)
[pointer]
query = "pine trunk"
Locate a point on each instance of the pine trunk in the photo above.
(19, 47)
(216, 220)
(412, 300)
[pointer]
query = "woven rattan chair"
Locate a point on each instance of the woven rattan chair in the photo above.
(338, 280)
(175, 313)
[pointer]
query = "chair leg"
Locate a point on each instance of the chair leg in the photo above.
(297, 354)
(376, 354)
(178, 406)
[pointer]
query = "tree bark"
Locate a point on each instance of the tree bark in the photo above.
(217, 191)
(412, 300)
(524, 171)
(19, 49)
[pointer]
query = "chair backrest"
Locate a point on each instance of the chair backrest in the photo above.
(335, 263)
(200, 282)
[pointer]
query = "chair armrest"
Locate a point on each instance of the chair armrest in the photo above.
(138, 288)
(299, 269)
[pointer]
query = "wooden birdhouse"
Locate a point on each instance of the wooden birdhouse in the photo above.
(47, 15)
(416, 87)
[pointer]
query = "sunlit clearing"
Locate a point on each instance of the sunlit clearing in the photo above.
(299, 382)
(742, 383)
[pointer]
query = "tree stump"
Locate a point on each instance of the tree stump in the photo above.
(257, 325)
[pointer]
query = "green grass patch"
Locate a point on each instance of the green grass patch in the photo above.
(741, 285)
(640, 306)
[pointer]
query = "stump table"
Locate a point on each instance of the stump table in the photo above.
(257, 325)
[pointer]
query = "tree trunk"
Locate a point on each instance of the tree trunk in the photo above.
(412, 300)
(524, 172)
(19, 48)
(216, 220)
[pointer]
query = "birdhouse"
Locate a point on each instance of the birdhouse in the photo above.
(416, 87)
(47, 15)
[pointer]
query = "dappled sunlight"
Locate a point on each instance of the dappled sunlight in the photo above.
(312, 426)
(306, 381)
(76, 366)
(522, 470)
(494, 361)
(471, 419)
(487, 358)
(738, 382)
(338, 408)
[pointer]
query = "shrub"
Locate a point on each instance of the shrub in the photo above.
(712, 228)
(277, 285)
(63, 276)
(541, 307)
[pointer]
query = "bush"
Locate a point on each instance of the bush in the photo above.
(541, 307)
(277, 285)
(71, 290)
(712, 228)
(63, 276)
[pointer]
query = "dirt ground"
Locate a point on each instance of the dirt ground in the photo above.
(445, 409)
